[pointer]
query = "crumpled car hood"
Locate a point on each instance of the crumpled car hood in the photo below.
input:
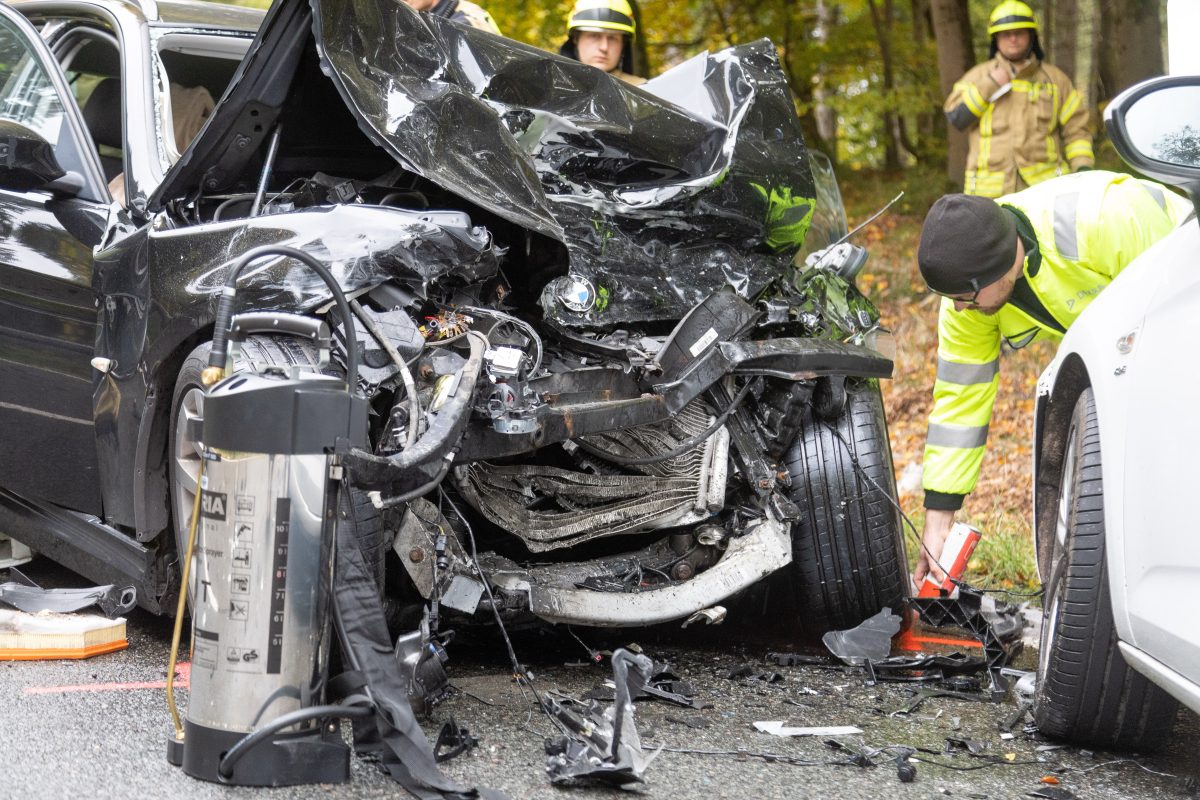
(661, 194)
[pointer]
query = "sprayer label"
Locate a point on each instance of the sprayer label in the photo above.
(283, 521)
(212, 504)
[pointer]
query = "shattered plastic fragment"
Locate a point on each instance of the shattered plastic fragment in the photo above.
(870, 641)
(779, 728)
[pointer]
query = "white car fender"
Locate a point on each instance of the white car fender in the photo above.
(1093, 343)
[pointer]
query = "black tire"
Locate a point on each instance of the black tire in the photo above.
(848, 558)
(1086, 693)
(354, 507)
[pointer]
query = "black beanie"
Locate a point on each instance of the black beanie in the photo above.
(967, 242)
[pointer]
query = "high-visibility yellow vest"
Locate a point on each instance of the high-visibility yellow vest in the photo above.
(1088, 227)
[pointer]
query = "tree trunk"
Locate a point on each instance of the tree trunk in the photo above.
(826, 117)
(1132, 34)
(1061, 49)
(1049, 34)
(882, 20)
(922, 24)
(952, 28)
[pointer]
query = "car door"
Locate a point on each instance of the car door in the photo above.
(1161, 549)
(47, 306)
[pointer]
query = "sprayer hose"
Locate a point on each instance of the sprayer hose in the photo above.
(263, 734)
(182, 606)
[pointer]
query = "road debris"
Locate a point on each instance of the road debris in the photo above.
(48, 636)
(453, 741)
(709, 616)
(746, 672)
(663, 685)
(926, 692)
(25, 595)
(997, 625)
(695, 723)
(799, 660)
(1052, 793)
(780, 728)
(601, 745)
(870, 641)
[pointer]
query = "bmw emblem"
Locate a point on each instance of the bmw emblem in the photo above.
(576, 293)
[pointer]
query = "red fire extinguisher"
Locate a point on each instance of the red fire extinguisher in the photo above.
(960, 544)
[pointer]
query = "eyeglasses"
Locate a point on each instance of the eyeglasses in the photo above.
(958, 298)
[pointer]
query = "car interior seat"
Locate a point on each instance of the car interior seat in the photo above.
(103, 117)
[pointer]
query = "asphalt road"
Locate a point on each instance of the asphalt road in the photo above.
(89, 729)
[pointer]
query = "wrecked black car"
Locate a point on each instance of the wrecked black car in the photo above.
(584, 331)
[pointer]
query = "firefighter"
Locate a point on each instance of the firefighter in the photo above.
(1024, 118)
(461, 11)
(1016, 269)
(600, 33)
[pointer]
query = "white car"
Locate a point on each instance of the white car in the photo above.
(1117, 444)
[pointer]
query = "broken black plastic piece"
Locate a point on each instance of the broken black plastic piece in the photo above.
(453, 741)
(798, 660)
(984, 620)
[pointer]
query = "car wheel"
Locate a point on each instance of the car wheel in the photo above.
(848, 558)
(1085, 691)
(354, 507)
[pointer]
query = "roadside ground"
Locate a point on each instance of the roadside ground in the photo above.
(95, 729)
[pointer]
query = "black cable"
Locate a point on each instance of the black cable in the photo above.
(682, 448)
(423, 489)
(519, 672)
(260, 735)
(913, 528)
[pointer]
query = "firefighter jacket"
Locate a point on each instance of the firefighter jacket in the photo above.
(467, 13)
(1079, 232)
(1019, 133)
(634, 80)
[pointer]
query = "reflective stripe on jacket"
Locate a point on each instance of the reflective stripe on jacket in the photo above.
(1088, 227)
(1026, 134)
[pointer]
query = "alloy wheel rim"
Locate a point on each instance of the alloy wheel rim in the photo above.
(1058, 555)
(185, 464)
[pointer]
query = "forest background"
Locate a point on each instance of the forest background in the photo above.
(869, 78)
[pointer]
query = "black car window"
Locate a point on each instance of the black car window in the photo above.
(29, 98)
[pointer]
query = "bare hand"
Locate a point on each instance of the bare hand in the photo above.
(937, 528)
(1000, 75)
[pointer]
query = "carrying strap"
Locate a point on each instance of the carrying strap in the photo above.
(403, 749)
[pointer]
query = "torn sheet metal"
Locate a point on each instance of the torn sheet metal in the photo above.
(780, 728)
(869, 641)
(709, 616)
(362, 245)
(601, 745)
(661, 193)
(25, 595)
(662, 685)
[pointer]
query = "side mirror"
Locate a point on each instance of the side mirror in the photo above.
(27, 160)
(1155, 126)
